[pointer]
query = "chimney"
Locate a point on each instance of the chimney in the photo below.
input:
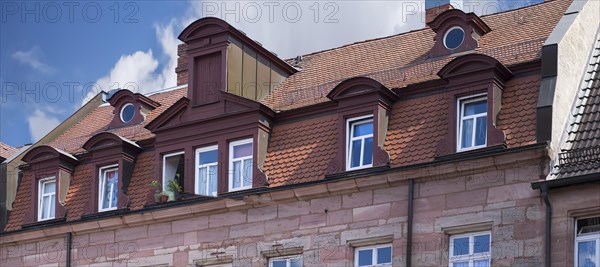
(435, 7)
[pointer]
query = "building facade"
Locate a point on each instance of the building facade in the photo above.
(436, 147)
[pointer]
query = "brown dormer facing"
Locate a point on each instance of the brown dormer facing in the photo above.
(49, 172)
(130, 108)
(222, 58)
(456, 31)
(114, 160)
(363, 108)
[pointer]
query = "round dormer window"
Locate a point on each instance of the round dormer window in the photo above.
(454, 37)
(127, 112)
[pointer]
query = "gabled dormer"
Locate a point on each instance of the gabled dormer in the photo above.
(48, 172)
(113, 158)
(219, 57)
(130, 108)
(456, 31)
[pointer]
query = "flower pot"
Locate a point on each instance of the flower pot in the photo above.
(157, 196)
(164, 198)
(171, 195)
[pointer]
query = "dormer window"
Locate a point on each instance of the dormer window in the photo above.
(127, 112)
(472, 126)
(360, 143)
(46, 198)
(454, 37)
(129, 108)
(207, 170)
(240, 165)
(109, 188)
(455, 30)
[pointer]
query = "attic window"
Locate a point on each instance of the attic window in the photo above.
(127, 112)
(454, 37)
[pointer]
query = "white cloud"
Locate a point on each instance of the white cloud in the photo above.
(320, 25)
(33, 58)
(139, 71)
(41, 122)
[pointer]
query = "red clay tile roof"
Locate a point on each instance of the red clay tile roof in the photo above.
(21, 204)
(300, 152)
(396, 61)
(72, 140)
(6, 151)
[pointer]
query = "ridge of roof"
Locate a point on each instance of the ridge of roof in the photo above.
(412, 31)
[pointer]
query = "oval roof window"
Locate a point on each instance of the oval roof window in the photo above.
(454, 37)
(127, 112)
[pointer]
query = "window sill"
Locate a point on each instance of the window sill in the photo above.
(473, 152)
(357, 172)
(44, 223)
(103, 214)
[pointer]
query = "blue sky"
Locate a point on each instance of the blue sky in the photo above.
(54, 54)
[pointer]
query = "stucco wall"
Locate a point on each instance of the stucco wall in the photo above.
(320, 218)
(575, 36)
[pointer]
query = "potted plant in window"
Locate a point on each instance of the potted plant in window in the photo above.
(164, 197)
(173, 188)
(156, 185)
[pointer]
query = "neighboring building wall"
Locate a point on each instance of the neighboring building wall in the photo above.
(325, 219)
(574, 36)
(568, 204)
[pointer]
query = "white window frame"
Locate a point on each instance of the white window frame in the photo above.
(41, 196)
(207, 166)
(595, 236)
(374, 254)
(459, 119)
(287, 260)
(471, 257)
(446, 36)
(164, 160)
(349, 139)
(231, 159)
(123, 109)
(102, 180)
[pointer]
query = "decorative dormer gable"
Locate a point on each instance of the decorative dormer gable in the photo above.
(456, 31)
(222, 58)
(474, 76)
(48, 166)
(367, 104)
(129, 108)
(109, 151)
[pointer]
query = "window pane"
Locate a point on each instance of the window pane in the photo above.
(52, 206)
(242, 150)
(481, 263)
(212, 173)
(467, 133)
(49, 187)
(236, 174)
(461, 246)
(475, 108)
(110, 189)
(363, 129)
(278, 263)
(480, 131)
(368, 157)
(202, 181)
(586, 254)
(356, 147)
(365, 257)
(44, 206)
(208, 157)
(247, 172)
(296, 262)
(384, 255)
(460, 264)
(482, 244)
